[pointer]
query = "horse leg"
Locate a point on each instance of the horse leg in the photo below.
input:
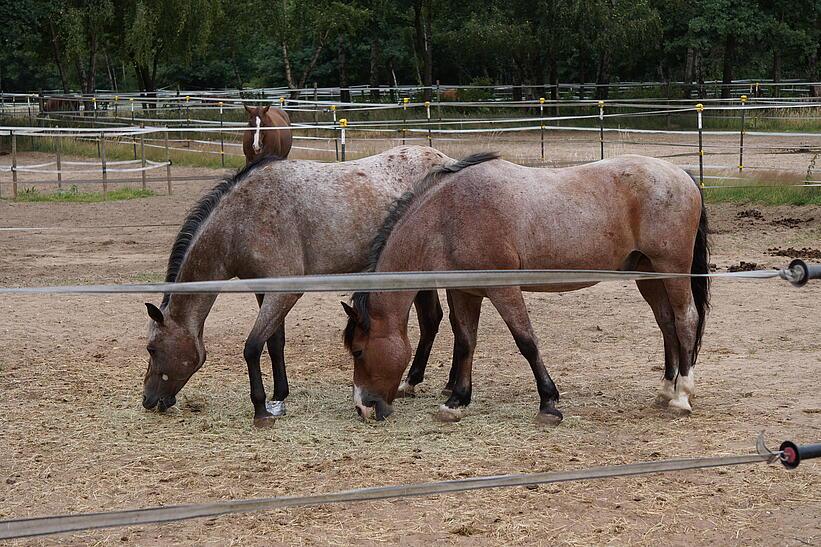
(511, 306)
(464, 319)
(680, 296)
(429, 314)
(276, 351)
(454, 363)
(271, 315)
(655, 294)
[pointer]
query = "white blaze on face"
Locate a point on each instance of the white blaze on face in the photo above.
(257, 144)
(357, 401)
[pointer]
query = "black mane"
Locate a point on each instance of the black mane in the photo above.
(199, 213)
(398, 208)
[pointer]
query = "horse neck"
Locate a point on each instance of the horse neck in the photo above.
(203, 262)
(391, 310)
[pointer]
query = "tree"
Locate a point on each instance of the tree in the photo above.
(158, 29)
(728, 25)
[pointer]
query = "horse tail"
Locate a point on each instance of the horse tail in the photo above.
(701, 265)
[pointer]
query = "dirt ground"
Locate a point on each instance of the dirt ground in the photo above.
(75, 437)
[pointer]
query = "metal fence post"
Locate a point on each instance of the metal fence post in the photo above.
(167, 162)
(222, 137)
(427, 110)
(116, 106)
(336, 140)
(699, 110)
(601, 128)
(741, 135)
(405, 102)
(142, 156)
(131, 100)
(13, 165)
(343, 123)
(59, 162)
(102, 161)
(541, 123)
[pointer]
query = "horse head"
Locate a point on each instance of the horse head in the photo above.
(174, 355)
(380, 357)
(258, 118)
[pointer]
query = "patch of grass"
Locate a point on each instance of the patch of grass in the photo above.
(773, 195)
(73, 195)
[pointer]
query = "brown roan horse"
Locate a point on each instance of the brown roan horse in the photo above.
(628, 213)
(277, 218)
(258, 141)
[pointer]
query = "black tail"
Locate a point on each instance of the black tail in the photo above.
(701, 285)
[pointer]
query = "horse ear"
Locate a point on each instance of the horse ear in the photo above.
(154, 313)
(350, 311)
(247, 108)
(265, 108)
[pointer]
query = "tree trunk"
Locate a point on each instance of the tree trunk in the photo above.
(423, 16)
(729, 64)
(699, 63)
(689, 70)
(373, 80)
(112, 75)
(286, 61)
(344, 91)
(603, 76)
(58, 59)
(310, 68)
(776, 69)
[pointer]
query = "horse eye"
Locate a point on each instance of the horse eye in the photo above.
(357, 354)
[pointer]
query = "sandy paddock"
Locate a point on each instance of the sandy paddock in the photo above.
(75, 438)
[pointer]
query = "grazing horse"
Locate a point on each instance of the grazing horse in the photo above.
(58, 105)
(277, 218)
(258, 142)
(628, 213)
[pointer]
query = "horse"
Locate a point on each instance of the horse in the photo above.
(276, 217)
(58, 105)
(257, 142)
(628, 213)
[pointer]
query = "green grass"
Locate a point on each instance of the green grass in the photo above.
(786, 195)
(74, 196)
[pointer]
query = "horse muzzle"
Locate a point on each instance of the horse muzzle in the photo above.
(162, 403)
(370, 406)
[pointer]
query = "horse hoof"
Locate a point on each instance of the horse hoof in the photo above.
(450, 415)
(680, 406)
(276, 408)
(263, 422)
(550, 418)
(406, 390)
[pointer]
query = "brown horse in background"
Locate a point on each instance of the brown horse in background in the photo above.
(627, 213)
(257, 142)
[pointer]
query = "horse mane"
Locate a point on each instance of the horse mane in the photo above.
(397, 211)
(199, 213)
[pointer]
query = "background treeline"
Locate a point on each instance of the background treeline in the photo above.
(128, 45)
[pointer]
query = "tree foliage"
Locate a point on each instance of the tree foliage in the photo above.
(147, 44)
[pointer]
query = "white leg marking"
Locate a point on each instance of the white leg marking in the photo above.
(257, 146)
(277, 408)
(668, 389)
(685, 386)
(406, 388)
(447, 414)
